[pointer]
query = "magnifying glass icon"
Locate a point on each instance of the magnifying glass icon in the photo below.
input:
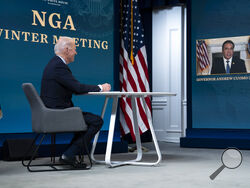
(231, 158)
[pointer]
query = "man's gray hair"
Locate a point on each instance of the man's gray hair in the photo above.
(62, 43)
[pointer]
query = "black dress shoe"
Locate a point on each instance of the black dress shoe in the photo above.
(71, 161)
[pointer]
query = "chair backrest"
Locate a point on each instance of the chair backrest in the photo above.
(36, 104)
(34, 99)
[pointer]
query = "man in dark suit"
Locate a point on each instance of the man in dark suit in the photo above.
(228, 63)
(58, 85)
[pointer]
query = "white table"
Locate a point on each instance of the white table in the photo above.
(133, 95)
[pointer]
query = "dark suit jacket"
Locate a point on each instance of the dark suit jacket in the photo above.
(58, 85)
(237, 66)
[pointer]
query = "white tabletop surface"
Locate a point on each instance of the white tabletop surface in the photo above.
(118, 93)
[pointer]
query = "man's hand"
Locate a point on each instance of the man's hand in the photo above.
(106, 87)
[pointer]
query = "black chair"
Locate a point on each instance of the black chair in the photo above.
(52, 121)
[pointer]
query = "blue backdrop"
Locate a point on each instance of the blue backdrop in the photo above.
(219, 104)
(26, 46)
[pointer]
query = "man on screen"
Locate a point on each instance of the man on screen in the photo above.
(228, 63)
(58, 85)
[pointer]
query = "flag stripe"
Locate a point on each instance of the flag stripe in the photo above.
(202, 54)
(123, 123)
(142, 58)
(142, 116)
(133, 77)
(128, 120)
(128, 79)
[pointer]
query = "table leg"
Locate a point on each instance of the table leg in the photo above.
(136, 129)
(152, 132)
(111, 131)
(97, 134)
(137, 161)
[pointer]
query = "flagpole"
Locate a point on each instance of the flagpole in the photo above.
(132, 25)
(121, 22)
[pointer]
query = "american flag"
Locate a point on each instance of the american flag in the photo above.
(133, 69)
(249, 45)
(201, 54)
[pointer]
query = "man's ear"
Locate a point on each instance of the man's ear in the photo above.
(66, 50)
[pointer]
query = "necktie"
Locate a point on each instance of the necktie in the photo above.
(228, 68)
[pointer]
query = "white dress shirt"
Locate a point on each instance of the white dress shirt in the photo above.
(225, 62)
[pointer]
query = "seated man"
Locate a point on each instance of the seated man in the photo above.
(58, 85)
